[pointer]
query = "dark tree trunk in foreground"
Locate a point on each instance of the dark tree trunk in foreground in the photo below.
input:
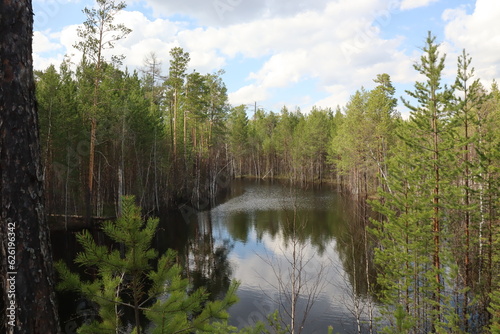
(26, 261)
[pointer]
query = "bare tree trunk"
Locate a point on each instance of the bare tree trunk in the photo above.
(467, 225)
(356, 300)
(66, 192)
(121, 168)
(155, 161)
(184, 139)
(366, 245)
(27, 275)
(175, 126)
(436, 228)
(90, 195)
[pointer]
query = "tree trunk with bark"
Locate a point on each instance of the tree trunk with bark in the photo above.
(26, 268)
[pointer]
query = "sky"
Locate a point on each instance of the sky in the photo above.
(292, 53)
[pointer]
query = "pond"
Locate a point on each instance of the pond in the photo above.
(250, 237)
(256, 235)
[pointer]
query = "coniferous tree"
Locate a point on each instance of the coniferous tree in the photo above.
(316, 138)
(99, 32)
(487, 177)
(175, 82)
(468, 98)
(128, 278)
(237, 137)
(403, 241)
(27, 295)
(360, 145)
(218, 106)
(431, 138)
(494, 304)
(415, 201)
(63, 140)
(381, 114)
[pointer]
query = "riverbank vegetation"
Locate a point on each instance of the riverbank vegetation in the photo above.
(170, 138)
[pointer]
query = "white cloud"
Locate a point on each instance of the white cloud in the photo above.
(337, 46)
(159, 36)
(340, 44)
(42, 63)
(42, 42)
(147, 36)
(248, 94)
(68, 37)
(478, 34)
(338, 94)
(284, 69)
(230, 12)
(45, 50)
(412, 4)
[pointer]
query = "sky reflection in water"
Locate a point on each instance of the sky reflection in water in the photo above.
(253, 221)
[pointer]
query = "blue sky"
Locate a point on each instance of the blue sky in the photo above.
(289, 52)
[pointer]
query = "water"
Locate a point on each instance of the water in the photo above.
(251, 237)
(253, 230)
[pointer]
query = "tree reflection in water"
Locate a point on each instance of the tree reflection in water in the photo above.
(252, 225)
(207, 262)
(222, 244)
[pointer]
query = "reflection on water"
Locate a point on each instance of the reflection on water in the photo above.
(245, 238)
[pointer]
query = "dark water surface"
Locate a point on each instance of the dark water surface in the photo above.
(253, 230)
(250, 237)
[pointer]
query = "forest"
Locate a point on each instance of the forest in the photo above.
(430, 183)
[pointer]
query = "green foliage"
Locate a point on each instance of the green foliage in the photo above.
(313, 135)
(99, 32)
(238, 131)
(275, 323)
(417, 196)
(161, 139)
(127, 279)
(494, 307)
(360, 147)
(402, 322)
(178, 312)
(348, 143)
(178, 66)
(436, 205)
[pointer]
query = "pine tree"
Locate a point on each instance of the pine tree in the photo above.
(494, 305)
(381, 115)
(176, 78)
(99, 32)
(347, 149)
(218, 107)
(488, 271)
(468, 98)
(416, 198)
(61, 138)
(402, 253)
(359, 148)
(237, 137)
(127, 278)
(431, 139)
(27, 295)
(285, 131)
